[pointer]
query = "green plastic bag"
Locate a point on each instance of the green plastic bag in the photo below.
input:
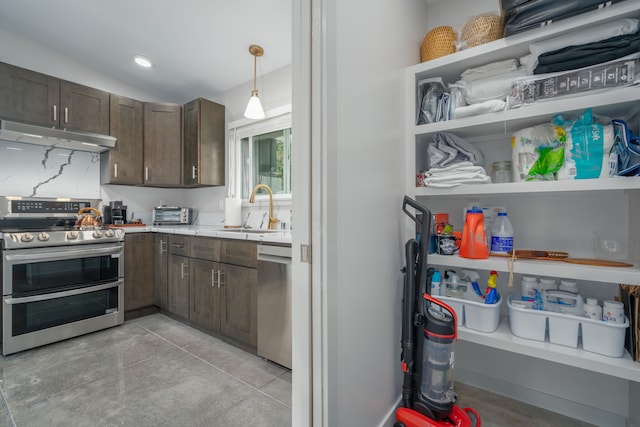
(549, 162)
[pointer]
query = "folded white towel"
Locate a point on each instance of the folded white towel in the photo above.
(492, 69)
(454, 175)
(490, 106)
(494, 87)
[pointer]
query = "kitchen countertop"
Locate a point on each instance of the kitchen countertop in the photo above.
(280, 236)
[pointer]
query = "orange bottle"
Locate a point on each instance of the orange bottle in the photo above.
(474, 239)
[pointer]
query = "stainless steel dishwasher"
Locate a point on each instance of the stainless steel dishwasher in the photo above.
(274, 303)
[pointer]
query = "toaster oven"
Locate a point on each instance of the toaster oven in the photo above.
(172, 215)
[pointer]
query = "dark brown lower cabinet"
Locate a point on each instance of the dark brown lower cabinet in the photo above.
(204, 307)
(239, 303)
(138, 271)
(178, 289)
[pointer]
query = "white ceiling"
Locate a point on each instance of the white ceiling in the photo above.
(200, 47)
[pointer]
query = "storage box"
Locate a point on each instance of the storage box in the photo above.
(606, 76)
(598, 336)
(475, 315)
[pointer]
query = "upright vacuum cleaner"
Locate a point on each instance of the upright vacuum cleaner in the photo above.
(429, 330)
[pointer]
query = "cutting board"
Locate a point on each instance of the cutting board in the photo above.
(563, 257)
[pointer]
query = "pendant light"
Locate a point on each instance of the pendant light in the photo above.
(254, 107)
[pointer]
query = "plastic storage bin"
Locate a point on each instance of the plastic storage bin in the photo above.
(598, 336)
(475, 315)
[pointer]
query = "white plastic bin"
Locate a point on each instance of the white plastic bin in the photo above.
(475, 315)
(598, 336)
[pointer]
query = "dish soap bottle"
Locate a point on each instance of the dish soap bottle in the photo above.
(474, 238)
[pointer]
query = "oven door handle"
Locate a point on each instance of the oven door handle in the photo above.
(54, 295)
(61, 254)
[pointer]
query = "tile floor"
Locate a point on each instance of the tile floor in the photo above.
(151, 371)
(155, 371)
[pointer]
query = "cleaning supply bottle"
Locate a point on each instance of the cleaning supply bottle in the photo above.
(501, 235)
(474, 238)
(454, 290)
(492, 296)
(473, 291)
(436, 283)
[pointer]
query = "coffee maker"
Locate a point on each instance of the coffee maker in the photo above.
(115, 213)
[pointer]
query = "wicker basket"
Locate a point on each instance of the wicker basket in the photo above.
(438, 42)
(479, 30)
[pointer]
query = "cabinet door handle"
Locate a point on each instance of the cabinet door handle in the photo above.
(115, 170)
(163, 246)
(66, 115)
(146, 173)
(220, 278)
(177, 245)
(194, 173)
(55, 113)
(183, 274)
(213, 278)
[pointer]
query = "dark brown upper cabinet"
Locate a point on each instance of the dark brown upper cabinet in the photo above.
(203, 144)
(123, 164)
(162, 145)
(36, 98)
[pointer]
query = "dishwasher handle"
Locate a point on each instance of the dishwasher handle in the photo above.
(277, 254)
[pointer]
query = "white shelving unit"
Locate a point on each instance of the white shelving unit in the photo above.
(503, 339)
(622, 194)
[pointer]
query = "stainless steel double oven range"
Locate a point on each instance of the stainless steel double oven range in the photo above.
(58, 280)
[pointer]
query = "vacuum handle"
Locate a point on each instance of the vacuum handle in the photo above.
(417, 206)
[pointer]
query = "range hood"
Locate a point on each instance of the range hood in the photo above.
(51, 137)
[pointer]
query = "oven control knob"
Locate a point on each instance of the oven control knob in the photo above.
(109, 233)
(43, 237)
(27, 237)
(72, 235)
(97, 234)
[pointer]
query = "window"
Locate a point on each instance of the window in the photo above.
(266, 159)
(263, 153)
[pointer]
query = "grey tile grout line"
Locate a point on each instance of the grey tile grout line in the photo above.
(6, 404)
(220, 369)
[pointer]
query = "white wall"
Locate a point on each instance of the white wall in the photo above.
(454, 12)
(367, 50)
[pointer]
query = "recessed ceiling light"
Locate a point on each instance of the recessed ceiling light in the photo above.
(142, 61)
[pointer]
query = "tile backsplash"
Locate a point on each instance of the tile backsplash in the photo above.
(38, 171)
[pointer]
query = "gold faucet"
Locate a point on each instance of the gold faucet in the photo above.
(272, 220)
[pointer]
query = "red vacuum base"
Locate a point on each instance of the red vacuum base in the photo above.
(466, 417)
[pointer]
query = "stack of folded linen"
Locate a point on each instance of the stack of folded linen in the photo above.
(484, 89)
(457, 174)
(453, 161)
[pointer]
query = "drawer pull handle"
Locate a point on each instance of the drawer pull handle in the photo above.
(183, 274)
